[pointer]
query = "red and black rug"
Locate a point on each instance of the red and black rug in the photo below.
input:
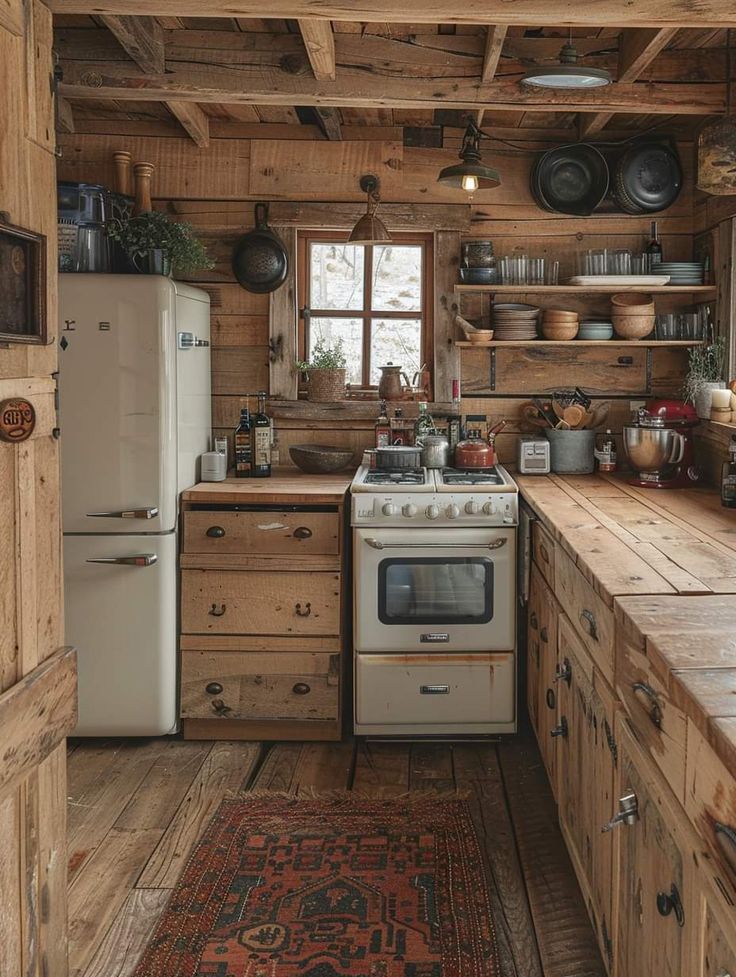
(330, 887)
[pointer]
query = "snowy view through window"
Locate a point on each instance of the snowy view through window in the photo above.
(381, 285)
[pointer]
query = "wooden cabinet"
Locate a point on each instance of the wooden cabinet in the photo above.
(543, 551)
(542, 671)
(589, 613)
(262, 614)
(710, 802)
(714, 948)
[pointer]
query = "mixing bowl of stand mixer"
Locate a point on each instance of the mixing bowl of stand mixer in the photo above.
(658, 445)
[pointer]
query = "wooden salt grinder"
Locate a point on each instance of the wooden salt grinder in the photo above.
(122, 162)
(143, 173)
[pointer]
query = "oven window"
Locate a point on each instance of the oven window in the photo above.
(435, 591)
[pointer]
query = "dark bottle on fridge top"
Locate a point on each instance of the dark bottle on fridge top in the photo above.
(261, 440)
(242, 444)
(654, 248)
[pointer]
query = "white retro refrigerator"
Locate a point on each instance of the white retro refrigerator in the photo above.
(135, 414)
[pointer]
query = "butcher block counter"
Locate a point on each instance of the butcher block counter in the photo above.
(632, 669)
(288, 485)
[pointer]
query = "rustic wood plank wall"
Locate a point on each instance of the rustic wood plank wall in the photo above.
(33, 773)
(215, 188)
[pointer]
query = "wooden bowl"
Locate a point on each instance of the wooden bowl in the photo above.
(633, 326)
(560, 315)
(320, 459)
(480, 336)
(559, 331)
(628, 303)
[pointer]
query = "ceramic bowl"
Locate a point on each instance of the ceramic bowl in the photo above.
(595, 330)
(559, 331)
(320, 459)
(481, 336)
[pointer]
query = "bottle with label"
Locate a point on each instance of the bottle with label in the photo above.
(606, 453)
(728, 477)
(242, 444)
(261, 440)
(383, 427)
(424, 423)
(654, 248)
(275, 447)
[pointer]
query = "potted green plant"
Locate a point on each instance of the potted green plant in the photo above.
(157, 245)
(705, 374)
(325, 372)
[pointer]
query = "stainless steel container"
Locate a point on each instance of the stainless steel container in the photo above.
(435, 450)
(653, 449)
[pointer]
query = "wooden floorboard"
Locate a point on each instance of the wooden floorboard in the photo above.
(138, 808)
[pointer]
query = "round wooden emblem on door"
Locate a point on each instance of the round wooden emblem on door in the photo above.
(17, 419)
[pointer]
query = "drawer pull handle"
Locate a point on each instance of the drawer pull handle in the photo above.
(434, 689)
(564, 672)
(301, 688)
(216, 611)
(534, 621)
(307, 609)
(215, 532)
(544, 635)
(550, 699)
(544, 552)
(669, 902)
(560, 729)
(213, 688)
(628, 811)
(726, 838)
(587, 619)
(219, 707)
(302, 532)
(655, 710)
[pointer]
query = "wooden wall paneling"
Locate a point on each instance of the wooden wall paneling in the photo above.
(726, 283)
(240, 370)
(446, 358)
(277, 168)
(283, 350)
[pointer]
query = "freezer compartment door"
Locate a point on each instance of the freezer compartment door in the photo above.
(120, 602)
(117, 403)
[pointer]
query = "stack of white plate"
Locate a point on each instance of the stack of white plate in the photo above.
(682, 272)
(515, 321)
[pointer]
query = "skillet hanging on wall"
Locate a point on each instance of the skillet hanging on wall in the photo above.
(570, 179)
(260, 261)
(647, 178)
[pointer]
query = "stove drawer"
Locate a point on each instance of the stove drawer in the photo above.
(434, 690)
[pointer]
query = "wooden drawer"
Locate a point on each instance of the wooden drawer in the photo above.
(543, 549)
(710, 800)
(261, 533)
(257, 686)
(590, 615)
(660, 726)
(249, 602)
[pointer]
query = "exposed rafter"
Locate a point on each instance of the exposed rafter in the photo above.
(329, 122)
(193, 120)
(320, 44)
(637, 50)
(142, 38)
(495, 36)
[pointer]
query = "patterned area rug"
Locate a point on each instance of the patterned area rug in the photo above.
(342, 886)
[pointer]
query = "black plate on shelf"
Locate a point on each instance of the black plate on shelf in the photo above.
(571, 179)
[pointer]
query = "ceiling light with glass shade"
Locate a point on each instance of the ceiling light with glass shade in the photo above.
(370, 229)
(472, 173)
(568, 74)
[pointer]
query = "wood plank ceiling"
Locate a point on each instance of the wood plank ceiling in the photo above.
(428, 79)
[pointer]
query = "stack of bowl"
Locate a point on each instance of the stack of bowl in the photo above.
(560, 325)
(595, 330)
(632, 314)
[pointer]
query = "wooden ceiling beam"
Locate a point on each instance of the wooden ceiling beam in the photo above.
(193, 121)
(525, 13)
(319, 42)
(142, 38)
(637, 49)
(495, 36)
(329, 122)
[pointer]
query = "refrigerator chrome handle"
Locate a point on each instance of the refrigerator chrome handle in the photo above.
(149, 513)
(187, 340)
(142, 560)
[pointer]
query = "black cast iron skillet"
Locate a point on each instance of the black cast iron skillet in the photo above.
(647, 178)
(260, 260)
(571, 179)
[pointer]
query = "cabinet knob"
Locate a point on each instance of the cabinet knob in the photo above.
(560, 729)
(216, 611)
(550, 698)
(307, 609)
(564, 672)
(544, 635)
(670, 902)
(215, 532)
(544, 553)
(302, 532)
(301, 688)
(213, 688)
(628, 810)
(534, 620)
(219, 707)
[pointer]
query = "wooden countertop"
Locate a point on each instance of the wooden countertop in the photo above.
(287, 485)
(666, 561)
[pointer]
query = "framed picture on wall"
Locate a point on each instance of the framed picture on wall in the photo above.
(22, 285)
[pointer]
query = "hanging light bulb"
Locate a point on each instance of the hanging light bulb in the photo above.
(568, 74)
(717, 145)
(472, 174)
(370, 229)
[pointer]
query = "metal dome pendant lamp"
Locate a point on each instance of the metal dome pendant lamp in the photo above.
(472, 173)
(717, 145)
(370, 229)
(568, 74)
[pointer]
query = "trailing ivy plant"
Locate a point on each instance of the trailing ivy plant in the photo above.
(152, 231)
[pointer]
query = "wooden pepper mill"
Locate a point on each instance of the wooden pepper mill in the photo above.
(122, 161)
(143, 173)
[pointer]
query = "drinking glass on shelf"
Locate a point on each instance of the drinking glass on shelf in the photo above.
(690, 326)
(666, 326)
(536, 271)
(504, 270)
(619, 262)
(552, 273)
(639, 264)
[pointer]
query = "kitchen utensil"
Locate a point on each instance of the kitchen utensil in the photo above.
(435, 450)
(531, 415)
(475, 453)
(546, 412)
(571, 179)
(579, 397)
(143, 175)
(260, 261)
(647, 178)
(320, 459)
(399, 456)
(480, 336)
(573, 415)
(390, 386)
(653, 449)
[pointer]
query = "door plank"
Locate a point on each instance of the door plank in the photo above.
(382, 769)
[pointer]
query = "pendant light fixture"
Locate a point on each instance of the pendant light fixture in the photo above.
(472, 174)
(717, 145)
(568, 74)
(369, 228)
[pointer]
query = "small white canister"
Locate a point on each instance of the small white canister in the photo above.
(214, 467)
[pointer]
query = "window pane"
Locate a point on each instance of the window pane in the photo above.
(336, 276)
(329, 330)
(397, 277)
(397, 341)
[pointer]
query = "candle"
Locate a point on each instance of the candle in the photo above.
(721, 399)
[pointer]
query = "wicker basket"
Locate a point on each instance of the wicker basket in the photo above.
(325, 386)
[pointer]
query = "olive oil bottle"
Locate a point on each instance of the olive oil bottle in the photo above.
(243, 444)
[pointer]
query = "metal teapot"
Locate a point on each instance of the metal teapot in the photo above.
(390, 386)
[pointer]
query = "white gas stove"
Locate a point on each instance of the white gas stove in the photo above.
(434, 601)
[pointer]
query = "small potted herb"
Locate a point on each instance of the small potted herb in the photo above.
(705, 374)
(157, 245)
(326, 372)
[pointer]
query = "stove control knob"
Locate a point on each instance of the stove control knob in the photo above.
(409, 509)
(452, 511)
(489, 508)
(471, 507)
(432, 512)
(390, 509)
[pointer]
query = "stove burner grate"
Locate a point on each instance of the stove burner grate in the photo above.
(395, 476)
(458, 476)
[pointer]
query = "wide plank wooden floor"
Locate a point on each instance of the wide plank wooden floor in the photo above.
(137, 807)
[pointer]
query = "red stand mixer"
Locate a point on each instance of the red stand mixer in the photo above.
(659, 445)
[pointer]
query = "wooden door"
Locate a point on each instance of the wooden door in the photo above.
(655, 927)
(586, 760)
(37, 677)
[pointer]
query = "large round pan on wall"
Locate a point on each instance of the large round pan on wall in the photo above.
(260, 259)
(571, 179)
(647, 178)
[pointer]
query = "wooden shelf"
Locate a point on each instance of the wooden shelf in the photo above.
(701, 290)
(464, 344)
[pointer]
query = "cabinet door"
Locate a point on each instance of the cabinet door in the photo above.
(654, 927)
(547, 710)
(586, 761)
(533, 650)
(716, 940)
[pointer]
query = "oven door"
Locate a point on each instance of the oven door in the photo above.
(451, 589)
